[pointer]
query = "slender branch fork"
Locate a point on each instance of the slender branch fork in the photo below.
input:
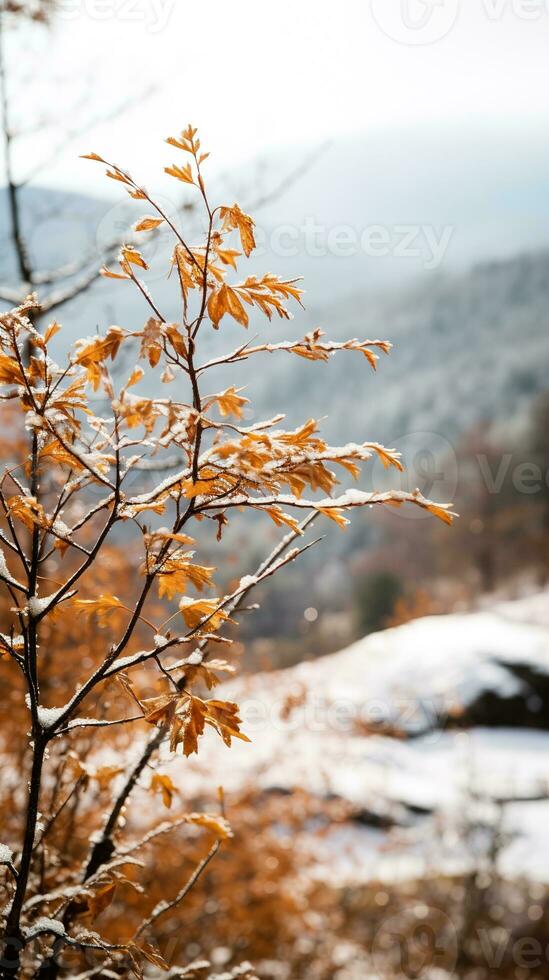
(43, 735)
(245, 470)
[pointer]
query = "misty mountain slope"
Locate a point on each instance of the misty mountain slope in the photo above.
(59, 229)
(468, 347)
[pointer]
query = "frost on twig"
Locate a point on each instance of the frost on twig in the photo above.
(109, 497)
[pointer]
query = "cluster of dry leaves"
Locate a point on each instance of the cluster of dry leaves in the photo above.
(94, 445)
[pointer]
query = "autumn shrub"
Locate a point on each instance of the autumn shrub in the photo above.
(112, 467)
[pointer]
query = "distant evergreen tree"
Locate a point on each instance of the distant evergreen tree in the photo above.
(377, 595)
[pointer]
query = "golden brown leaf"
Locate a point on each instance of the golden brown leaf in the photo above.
(335, 514)
(177, 571)
(104, 606)
(133, 257)
(183, 173)
(51, 331)
(230, 402)
(162, 784)
(151, 346)
(194, 611)
(28, 510)
(148, 223)
(189, 726)
(105, 775)
(10, 372)
(91, 355)
(101, 899)
(234, 217)
(109, 274)
(224, 717)
(214, 822)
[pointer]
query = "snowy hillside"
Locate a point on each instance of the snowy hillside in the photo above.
(312, 726)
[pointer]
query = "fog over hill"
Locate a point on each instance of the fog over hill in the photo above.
(467, 348)
(482, 190)
(467, 314)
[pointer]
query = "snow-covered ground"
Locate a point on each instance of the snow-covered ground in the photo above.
(417, 796)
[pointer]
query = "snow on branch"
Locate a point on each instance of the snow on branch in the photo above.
(105, 489)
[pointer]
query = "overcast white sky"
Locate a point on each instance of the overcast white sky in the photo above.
(253, 74)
